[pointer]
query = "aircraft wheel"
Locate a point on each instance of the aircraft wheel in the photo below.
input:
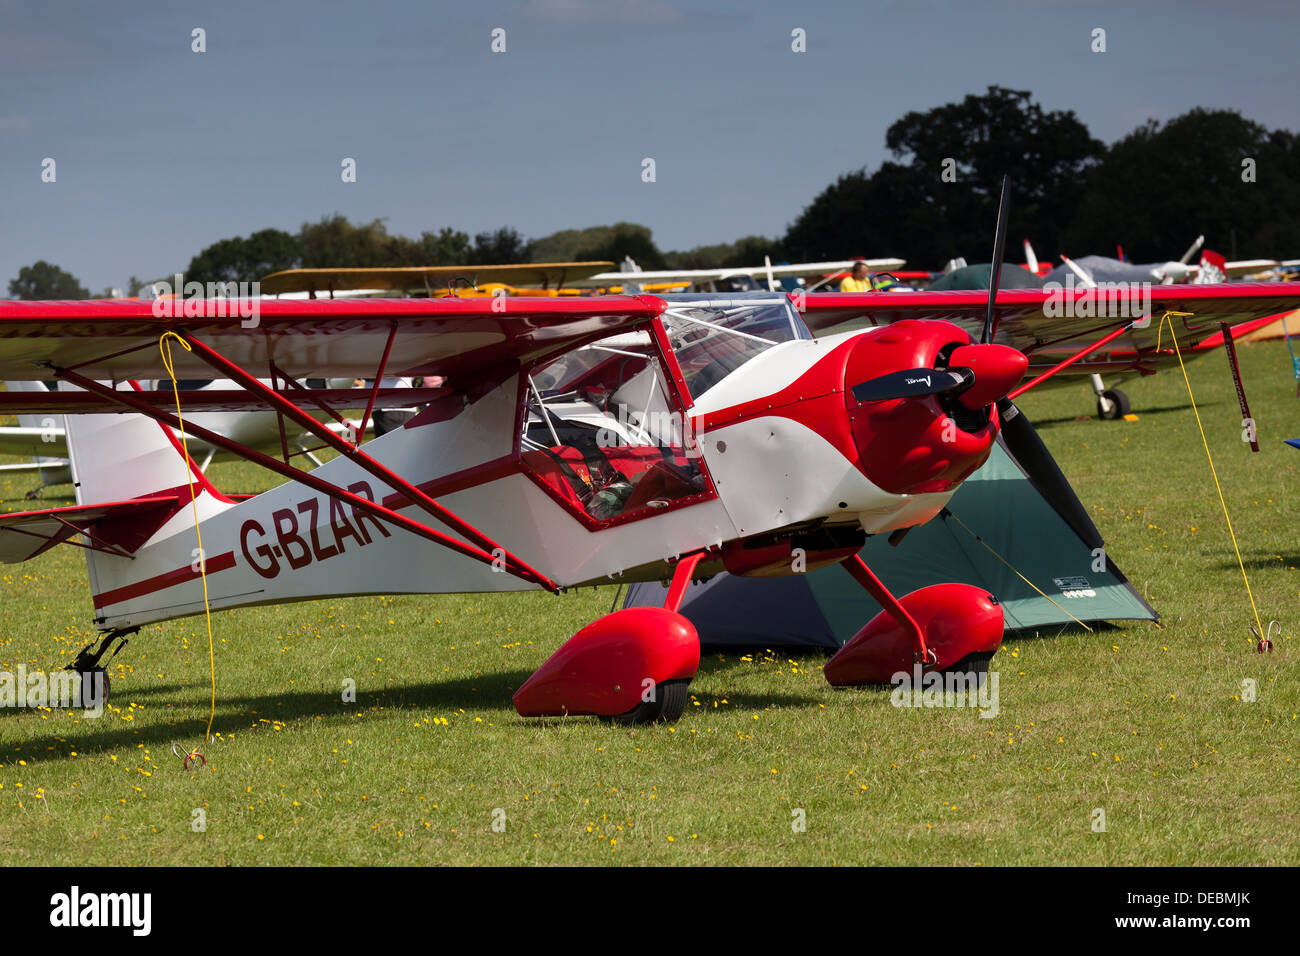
(1112, 404)
(86, 698)
(975, 664)
(669, 703)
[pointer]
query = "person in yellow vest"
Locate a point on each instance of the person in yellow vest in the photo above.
(857, 281)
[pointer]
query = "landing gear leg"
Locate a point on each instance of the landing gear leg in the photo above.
(1111, 402)
(95, 685)
(944, 627)
(632, 666)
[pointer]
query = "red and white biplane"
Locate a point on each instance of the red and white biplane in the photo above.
(572, 442)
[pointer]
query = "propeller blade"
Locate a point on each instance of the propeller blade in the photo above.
(999, 247)
(911, 383)
(1192, 250)
(1043, 472)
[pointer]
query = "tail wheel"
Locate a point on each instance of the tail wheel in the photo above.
(669, 704)
(87, 696)
(976, 664)
(1112, 404)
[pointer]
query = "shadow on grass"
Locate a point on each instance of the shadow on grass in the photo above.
(487, 693)
(1054, 631)
(1262, 562)
(1140, 412)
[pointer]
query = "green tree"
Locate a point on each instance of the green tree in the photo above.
(501, 247)
(335, 243)
(44, 280)
(563, 246)
(620, 240)
(245, 260)
(747, 251)
(446, 247)
(907, 208)
(1162, 185)
(601, 243)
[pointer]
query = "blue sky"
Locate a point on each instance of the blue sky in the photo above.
(161, 151)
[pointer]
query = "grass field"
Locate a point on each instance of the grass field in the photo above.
(1145, 723)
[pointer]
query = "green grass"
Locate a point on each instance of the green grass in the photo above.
(1143, 722)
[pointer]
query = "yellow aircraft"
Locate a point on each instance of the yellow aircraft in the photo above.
(528, 278)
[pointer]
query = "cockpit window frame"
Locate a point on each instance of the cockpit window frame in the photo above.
(679, 401)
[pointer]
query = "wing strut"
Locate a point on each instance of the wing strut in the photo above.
(1013, 395)
(484, 553)
(361, 458)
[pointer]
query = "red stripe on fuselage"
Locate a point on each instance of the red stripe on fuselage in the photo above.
(458, 481)
(159, 582)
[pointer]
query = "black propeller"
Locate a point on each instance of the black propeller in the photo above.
(999, 247)
(912, 383)
(1017, 433)
(1044, 474)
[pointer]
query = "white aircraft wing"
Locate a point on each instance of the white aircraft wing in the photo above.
(1245, 267)
(33, 442)
(758, 272)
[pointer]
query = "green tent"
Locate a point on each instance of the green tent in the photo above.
(977, 277)
(998, 503)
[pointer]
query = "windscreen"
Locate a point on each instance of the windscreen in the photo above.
(713, 336)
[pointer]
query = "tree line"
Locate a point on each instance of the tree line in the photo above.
(1210, 172)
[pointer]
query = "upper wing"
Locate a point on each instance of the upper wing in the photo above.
(1245, 267)
(1046, 323)
(328, 281)
(459, 339)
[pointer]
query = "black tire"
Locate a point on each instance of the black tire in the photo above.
(976, 664)
(670, 702)
(1113, 404)
(86, 678)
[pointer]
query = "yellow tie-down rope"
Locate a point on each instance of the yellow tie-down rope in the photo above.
(164, 347)
(1169, 317)
(1017, 572)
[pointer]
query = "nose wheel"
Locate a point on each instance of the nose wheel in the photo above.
(974, 665)
(1112, 404)
(669, 704)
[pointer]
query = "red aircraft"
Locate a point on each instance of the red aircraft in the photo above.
(572, 442)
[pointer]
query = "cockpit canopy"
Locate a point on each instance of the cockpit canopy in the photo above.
(605, 432)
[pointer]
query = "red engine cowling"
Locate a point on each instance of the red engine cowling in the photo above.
(604, 668)
(916, 445)
(956, 619)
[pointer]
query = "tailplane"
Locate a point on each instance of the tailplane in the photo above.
(135, 486)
